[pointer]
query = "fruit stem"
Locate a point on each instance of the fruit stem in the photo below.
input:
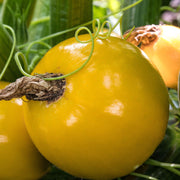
(169, 166)
(143, 35)
(143, 176)
(35, 88)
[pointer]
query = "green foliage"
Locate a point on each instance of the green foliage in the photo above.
(6, 43)
(39, 26)
(99, 11)
(18, 14)
(66, 14)
(147, 12)
(168, 151)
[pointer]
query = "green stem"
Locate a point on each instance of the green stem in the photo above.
(40, 20)
(79, 26)
(19, 63)
(168, 8)
(131, 5)
(129, 33)
(34, 61)
(17, 14)
(12, 51)
(76, 36)
(96, 31)
(35, 51)
(90, 55)
(173, 170)
(143, 176)
(69, 74)
(107, 34)
(36, 42)
(55, 34)
(162, 164)
(172, 104)
(169, 166)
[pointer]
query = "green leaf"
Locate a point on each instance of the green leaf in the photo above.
(18, 14)
(168, 151)
(99, 11)
(66, 14)
(145, 13)
(6, 43)
(39, 26)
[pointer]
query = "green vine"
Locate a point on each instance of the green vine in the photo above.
(89, 57)
(95, 22)
(168, 8)
(12, 50)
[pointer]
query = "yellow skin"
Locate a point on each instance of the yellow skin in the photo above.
(164, 53)
(112, 115)
(19, 159)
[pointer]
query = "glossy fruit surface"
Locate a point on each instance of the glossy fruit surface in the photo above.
(112, 115)
(113, 33)
(19, 159)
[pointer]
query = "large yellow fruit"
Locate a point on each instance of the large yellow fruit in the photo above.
(19, 159)
(112, 115)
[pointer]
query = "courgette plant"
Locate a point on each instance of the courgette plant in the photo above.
(39, 25)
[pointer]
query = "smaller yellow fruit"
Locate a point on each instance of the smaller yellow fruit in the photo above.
(19, 158)
(161, 43)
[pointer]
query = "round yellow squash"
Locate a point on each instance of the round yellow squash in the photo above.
(112, 115)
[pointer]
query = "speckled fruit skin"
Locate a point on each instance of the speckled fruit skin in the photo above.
(19, 158)
(112, 115)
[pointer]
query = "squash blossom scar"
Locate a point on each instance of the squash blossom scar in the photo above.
(35, 88)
